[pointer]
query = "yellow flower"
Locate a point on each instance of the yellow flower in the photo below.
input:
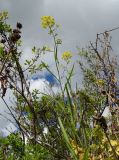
(114, 143)
(78, 151)
(100, 82)
(66, 55)
(117, 150)
(47, 21)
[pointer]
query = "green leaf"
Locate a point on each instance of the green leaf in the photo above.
(1, 51)
(34, 49)
(85, 157)
(67, 140)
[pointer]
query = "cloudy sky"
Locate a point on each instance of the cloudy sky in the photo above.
(80, 21)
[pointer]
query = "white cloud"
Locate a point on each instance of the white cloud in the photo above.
(43, 86)
(39, 84)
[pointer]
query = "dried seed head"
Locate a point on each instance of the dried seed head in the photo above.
(19, 25)
(15, 37)
(16, 31)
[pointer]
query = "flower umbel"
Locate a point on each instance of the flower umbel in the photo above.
(47, 21)
(66, 55)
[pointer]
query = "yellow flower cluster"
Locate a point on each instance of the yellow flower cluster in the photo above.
(66, 55)
(47, 21)
(78, 151)
(115, 144)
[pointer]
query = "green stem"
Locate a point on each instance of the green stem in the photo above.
(114, 153)
(56, 60)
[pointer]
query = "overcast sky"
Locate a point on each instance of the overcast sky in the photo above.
(80, 21)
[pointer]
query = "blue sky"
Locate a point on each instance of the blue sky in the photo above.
(49, 77)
